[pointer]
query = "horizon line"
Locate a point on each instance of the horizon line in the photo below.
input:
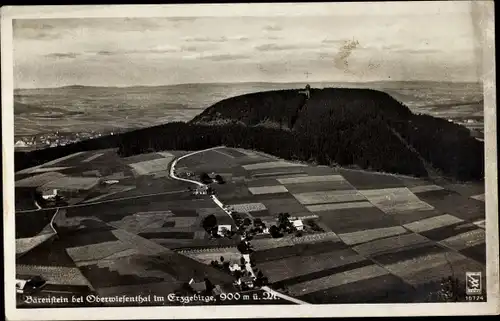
(256, 82)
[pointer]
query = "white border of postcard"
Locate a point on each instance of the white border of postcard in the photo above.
(485, 21)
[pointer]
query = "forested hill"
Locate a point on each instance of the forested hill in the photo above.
(364, 127)
(348, 127)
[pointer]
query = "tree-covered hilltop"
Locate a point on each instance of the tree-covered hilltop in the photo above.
(348, 127)
(359, 126)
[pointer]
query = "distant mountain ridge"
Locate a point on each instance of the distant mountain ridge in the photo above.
(336, 126)
(350, 84)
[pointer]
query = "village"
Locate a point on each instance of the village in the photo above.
(244, 228)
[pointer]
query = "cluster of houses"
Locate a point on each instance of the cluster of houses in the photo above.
(242, 271)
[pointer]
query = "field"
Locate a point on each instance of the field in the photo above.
(368, 213)
(386, 234)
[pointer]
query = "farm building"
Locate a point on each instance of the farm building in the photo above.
(49, 194)
(246, 281)
(222, 228)
(297, 223)
(235, 267)
(201, 190)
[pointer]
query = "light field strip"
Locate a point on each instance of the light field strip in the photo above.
(267, 190)
(276, 164)
(465, 240)
(54, 274)
(432, 223)
(371, 234)
(335, 280)
(91, 158)
(311, 179)
(338, 206)
(390, 244)
(329, 197)
(425, 188)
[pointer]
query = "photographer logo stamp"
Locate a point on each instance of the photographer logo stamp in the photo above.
(473, 284)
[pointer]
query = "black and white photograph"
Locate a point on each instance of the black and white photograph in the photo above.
(250, 157)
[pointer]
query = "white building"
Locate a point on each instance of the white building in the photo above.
(221, 228)
(111, 181)
(298, 225)
(235, 267)
(20, 143)
(50, 194)
(201, 190)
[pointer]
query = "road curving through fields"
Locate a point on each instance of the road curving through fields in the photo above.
(221, 205)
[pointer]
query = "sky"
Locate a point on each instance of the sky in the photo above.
(433, 41)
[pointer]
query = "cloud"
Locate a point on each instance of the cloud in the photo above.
(276, 47)
(106, 53)
(62, 55)
(182, 19)
(333, 41)
(157, 49)
(205, 39)
(417, 51)
(225, 57)
(190, 48)
(33, 29)
(221, 39)
(273, 28)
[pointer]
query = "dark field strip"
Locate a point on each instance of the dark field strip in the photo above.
(455, 204)
(31, 223)
(362, 180)
(168, 224)
(299, 249)
(467, 190)
(445, 232)
(321, 170)
(140, 204)
(50, 253)
(87, 237)
(408, 254)
(477, 253)
(167, 235)
(276, 174)
(19, 177)
(72, 161)
(436, 195)
(104, 277)
(184, 213)
(104, 166)
(24, 198)
(272, 196)
(382, 289)
(204, 243)
(321, 274)
(409, 217)
(356, 219)
(75, 289)
(262, 213)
